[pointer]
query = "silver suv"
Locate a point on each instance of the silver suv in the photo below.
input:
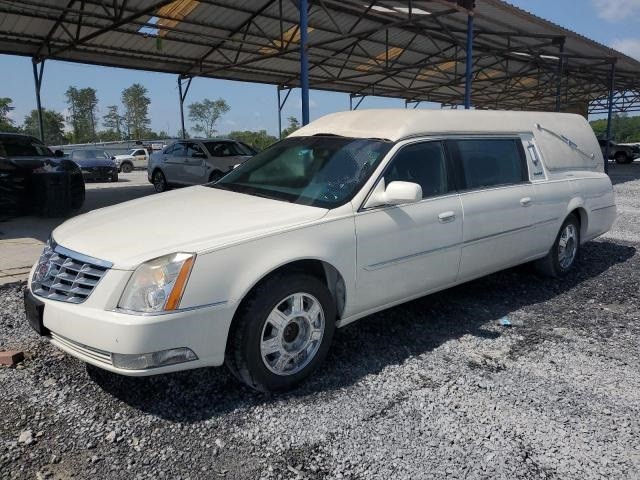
(194, 162)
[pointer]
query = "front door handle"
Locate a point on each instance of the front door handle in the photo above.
(526, 201)
(445, 217)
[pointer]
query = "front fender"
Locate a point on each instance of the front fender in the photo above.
(228, 274)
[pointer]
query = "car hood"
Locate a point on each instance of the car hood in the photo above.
(122, 157)
(193, 219)
(95, 162)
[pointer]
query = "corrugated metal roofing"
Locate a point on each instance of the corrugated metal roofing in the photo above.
(411, 50)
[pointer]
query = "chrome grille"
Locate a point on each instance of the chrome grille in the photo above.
(66, 276)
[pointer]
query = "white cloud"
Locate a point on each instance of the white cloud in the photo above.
(616, 10)
(629, 46)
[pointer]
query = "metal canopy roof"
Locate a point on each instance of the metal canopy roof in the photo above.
(404, 49)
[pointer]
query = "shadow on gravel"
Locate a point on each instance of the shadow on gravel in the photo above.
(371, 344)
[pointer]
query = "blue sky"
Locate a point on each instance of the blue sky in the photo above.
(253, 106)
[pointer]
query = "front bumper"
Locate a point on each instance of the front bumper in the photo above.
(92, 334)
(99, 173)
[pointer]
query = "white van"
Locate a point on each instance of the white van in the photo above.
(352, 214)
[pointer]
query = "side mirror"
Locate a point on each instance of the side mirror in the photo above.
(58, 153)
(198, 155)
(396, 193)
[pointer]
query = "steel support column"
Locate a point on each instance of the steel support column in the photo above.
(304, 60)
(468, 74)
(612, 86)
(280, 107)
(183, 95)
(37, 78)
(559, 79)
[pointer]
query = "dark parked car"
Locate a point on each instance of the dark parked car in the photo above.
(34, 179)
(619, 153)
(96, 165)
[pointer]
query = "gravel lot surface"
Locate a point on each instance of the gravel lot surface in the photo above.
(432, 389)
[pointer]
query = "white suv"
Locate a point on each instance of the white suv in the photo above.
(194, 162)
(352, 214)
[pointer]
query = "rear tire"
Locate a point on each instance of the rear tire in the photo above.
(159, 181)
(126, 168)
(622, 158)
(282, 332)
(565, 251)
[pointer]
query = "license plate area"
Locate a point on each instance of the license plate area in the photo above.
(34, 310)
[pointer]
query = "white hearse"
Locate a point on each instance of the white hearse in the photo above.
(352, 214)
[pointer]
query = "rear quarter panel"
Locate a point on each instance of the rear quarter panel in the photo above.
(598, 200)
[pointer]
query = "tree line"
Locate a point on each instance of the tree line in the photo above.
(127, 121)
(624, 129)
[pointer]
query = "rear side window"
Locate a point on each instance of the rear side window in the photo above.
(490, 162)
(421, 163)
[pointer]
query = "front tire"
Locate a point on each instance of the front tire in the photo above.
(159, 181)
(565, 250)
(282, 332)
(622, 158)
(126, 168)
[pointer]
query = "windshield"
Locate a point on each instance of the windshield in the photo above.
(23, 147)
(319, 171)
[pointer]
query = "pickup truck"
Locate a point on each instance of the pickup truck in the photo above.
(619, 152)
(136, 158)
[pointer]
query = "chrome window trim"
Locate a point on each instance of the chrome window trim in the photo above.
(422, 138)
(385, 166)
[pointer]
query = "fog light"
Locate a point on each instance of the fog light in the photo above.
(144, 361)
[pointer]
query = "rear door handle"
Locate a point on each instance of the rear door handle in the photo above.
(526, 201)
(445, 217)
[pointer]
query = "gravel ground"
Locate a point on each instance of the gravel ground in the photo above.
(435, 388)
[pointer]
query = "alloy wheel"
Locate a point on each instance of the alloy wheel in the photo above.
(292, 334)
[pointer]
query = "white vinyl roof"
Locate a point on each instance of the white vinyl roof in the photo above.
(413, 50)
(400, 123)
(566, 140)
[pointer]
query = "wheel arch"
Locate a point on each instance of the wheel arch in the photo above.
(319, 268)
(577, 208)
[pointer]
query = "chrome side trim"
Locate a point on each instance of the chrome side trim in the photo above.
(603, 208)
(397, 260)
(513, 230)
(168, 312)
(82, 257)
(386, 263)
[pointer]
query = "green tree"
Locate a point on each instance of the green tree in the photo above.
(53, 123)
(260, 139)
(624, 129)
(294, 125)
(113, 122)
(206, 113)
(6, 123)
(136, 111)
(83, 107)
(108, 136)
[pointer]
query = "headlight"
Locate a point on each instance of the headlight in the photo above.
(158, 284)
(42, 269)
